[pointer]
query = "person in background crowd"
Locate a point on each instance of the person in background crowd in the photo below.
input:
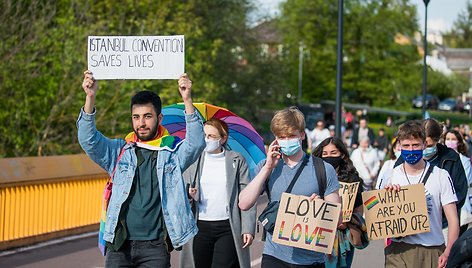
(381, 144)
(334, 152)
(439, 155)
(465, 131)
(274, 175)
(348, 119)
(317, 135)
(332, 131)
(387, 167)
(389, 122)
(367, 163)
(447, 124)
(453, 140)
(363, 131)
(215, 181)
(424, 249)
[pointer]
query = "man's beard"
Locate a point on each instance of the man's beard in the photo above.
(147, 137)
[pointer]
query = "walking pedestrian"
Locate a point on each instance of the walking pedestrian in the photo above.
(424, 249)
(334, 151)
(274, 175)
(148, 211)
(366, 162)
(215, 181)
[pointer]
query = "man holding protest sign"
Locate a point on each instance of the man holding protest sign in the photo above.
(148, 204)
(423, 249)
(275, 174)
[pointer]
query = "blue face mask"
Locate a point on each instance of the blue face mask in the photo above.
(289, 147)
(412, 157)
(429, 152)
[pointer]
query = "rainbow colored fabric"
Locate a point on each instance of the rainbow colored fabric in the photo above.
(163, 141)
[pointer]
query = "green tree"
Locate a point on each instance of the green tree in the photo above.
(44, 43)
(460, 35)
(376, 67)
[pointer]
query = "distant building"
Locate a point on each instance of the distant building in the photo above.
(459, 60)
(268, 35)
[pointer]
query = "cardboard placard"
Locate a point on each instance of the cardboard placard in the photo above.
(136, 57)
(304, 224)
(348, 193)
(393, 214)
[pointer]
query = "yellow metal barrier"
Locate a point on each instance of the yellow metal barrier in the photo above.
(47, 197)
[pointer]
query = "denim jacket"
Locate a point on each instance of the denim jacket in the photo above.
(178, 218)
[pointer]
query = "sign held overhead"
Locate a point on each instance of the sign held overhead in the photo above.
(136, 57)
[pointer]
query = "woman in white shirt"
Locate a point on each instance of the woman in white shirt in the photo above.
(453, 139)
(366, 162)
(387, 167)
(215, 181)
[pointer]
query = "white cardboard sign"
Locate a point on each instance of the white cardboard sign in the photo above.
(136, 57)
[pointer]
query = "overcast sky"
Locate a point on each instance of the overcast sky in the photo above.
(441, 13)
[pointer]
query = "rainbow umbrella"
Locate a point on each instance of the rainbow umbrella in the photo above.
(243, 138)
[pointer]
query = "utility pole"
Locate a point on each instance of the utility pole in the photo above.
(300, 72)
(425, 46)
(339, 70)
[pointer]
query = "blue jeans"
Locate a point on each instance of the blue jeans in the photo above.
(134, 253)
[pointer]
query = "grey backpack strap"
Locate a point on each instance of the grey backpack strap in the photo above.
(320, 175)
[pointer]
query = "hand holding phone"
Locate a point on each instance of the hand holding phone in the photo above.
(273, 154)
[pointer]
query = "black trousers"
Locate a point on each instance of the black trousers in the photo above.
(272, 262)
(213, 246)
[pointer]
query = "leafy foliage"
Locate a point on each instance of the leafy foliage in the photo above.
(44, 43)
(460, 35)
(376, 68)
(43, 48)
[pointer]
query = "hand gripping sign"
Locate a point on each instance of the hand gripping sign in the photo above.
(136, 57)
(393, 214)
(304, 224)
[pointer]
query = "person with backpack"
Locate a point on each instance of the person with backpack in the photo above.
(334, 151)
(424, 249)
(148, 212)
(288, 166)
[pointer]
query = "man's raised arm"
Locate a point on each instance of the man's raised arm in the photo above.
(90, 86)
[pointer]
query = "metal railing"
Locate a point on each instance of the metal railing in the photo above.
(48, 197)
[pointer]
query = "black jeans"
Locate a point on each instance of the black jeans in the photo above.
(272, 262)
(134, 253)
(213, 246)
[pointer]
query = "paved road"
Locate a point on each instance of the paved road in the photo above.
(83, 253)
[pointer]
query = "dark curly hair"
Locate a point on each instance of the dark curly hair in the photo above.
(346, 170)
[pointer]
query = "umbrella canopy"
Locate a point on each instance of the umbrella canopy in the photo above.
(242, 137)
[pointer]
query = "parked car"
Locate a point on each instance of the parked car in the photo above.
(431, 101)
(466, 107)
(448, 104)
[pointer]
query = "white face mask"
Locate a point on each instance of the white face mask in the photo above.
(398, 154)
(212, 145)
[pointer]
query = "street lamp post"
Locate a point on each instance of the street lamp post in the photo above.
(425, 46)
(339, 69)
(300, 72)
